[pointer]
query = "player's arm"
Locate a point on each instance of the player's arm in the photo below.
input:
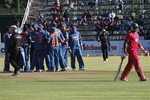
(108, 40)
(146, 53)
(69, 44)
(80, 41)
(126, 41)
(125, 46)
(141, 47)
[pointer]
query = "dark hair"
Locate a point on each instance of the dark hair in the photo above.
(25, 28)
(16, 21)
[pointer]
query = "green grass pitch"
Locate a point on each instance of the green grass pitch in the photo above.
(95, 83)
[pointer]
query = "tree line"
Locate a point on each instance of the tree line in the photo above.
(13, 3)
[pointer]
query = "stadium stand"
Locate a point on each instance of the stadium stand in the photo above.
(133, 8)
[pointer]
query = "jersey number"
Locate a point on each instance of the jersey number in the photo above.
(55, 41)
(40, 38)
(24, 39)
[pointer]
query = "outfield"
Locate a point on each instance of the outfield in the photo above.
(95, 83)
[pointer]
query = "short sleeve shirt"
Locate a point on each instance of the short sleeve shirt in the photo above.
(133, 41)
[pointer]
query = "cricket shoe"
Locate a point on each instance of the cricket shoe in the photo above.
(146, 79)
(125, 80)
(106, 60)
(15, 74)
(40, 70)
(63, 69)
(20, 70)
(74, 69)
(82, 69)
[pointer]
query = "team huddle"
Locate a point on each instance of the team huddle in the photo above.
(51, 46)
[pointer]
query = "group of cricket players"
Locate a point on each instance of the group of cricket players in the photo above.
(38, 44)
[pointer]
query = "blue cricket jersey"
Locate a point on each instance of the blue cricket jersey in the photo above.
(75, 40)
(39, 40)
(26, 38)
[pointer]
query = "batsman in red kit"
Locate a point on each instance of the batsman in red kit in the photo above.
(131, 46)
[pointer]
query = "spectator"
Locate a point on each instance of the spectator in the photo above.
(66, 16)
(122, 27)
(40, 18)
(87, 16)
(45, 24)
(103, 23)
(83, 19)
(71, 6)
(97, 28)
(95, 2)
(57, 5)
(44, 1)
(129, 22)
(140, 20)
(111, 16)
(55, 16)
(120, 5)
(114, 26)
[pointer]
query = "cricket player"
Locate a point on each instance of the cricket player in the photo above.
(54, 41)
(131, 46)
(46, 51)
(61, 57)
(32, 33)
(39, 44)
(75, 44)
(65, 43)
(26, 40)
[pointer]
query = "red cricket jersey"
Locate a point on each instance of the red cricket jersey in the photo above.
(133, 41)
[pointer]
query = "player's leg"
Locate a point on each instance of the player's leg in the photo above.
(34, 60)
(106, 53)
(26, 51)
(138, 67)
(80, 59)
(65, 56)
(72, 55)
(127, 69)
(6, 61)
(47, 57)
(13, 57)
(57, 58)
(52, 61)
(103, 53)
(61, 58)
(41, 62)
(31, 53)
